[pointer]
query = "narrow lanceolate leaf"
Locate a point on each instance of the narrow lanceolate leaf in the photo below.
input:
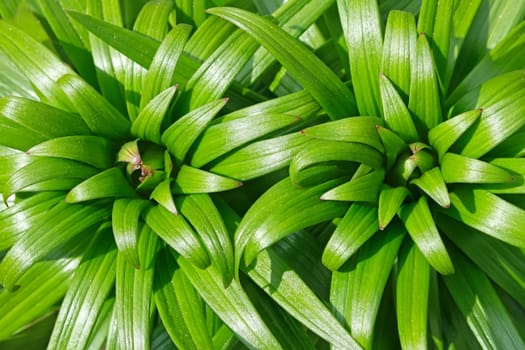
(26, 123)
(37, 63)
(396, 114)
(501, 262)
(134, 293)
(445, 134)
(362, 31)
(205, 218)
(161, 72)
(162, 195)
(421, 227)
(179, 137)
(310, 71)
(515, 166)
(424, 100)
(489, 214)
(390, 200)
(40, 170)
(392, 144)
(268, 220)
(107, 184)
(101, 117)
(232, 305)
(432, 183)
(297, 298)
(148, 123)
(176, 232)
(194, 180)
(61, 223)
(479, 303)
(441, 36)
(125, 222)
(412, 287)
(356, 227)
(355, 129)
(184, 318)
(221, 138)
(355, 296)
(398, 51)
(457, 168)
(89, 288)
(92, 150)
(362, 189)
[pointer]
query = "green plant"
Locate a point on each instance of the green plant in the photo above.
(181, 174)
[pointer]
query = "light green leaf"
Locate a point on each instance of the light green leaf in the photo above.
(162, 195)
(92, 150)
(125, 223)
(354, 229)
(390, 200)
(362, 189)
(398, 53)
(480, 305)
(179, 137)
(89, 288)
(109, 183)
(194, 180)
(441, 36)
(424, 101)
(355, 297)
(311, 72)
(178, 234)
(355, 129)
(412, 287)
(445, 134)
(433, 184)
(393, 145)
(148, 123)
(218, 139)
(457, 168)
(232, 305)
(489, 214)
(205, 218)
(422, 228)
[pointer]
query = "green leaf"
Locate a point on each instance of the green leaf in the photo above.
(441, 36)
(218, 139)
(297, 299)
(101, 117)
(422, 228)
(179, 137)
(424, 101)
(92, 150)
(390, 200)
(355, 297)
(457, 168)
(393, 145)
(396, 114)
(109, 183)
(125, 222)
(362, 32)
(90, 286)
(26, 123)
(445, 134)
(193, 180)
(433, 184)
(412, 288)
(148, 122)
(362, 189)
(162, 195)
(162, 69)
(356, 227)
(398, 53)
(205, 218)
(232, 305)
(355, 129)
(178, 234)
(311, 72)
(40, 169)
(62, 222)
(480, 305)
(134, 292)
(489, 214)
